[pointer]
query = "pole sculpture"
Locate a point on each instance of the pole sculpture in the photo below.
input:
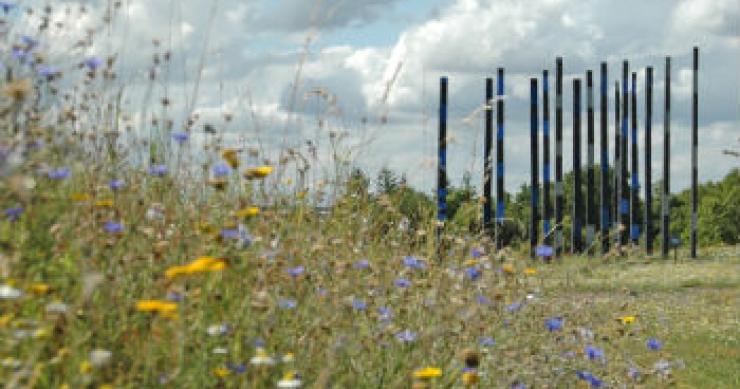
(604, 163)
(590, 186)
(648, 160)
(635, 187)
(559, 190)
(694, 151)
(534, 123)
(442, 164)
(500, 156)
(546, 159)
(624, 206)
(487, 171)
(617, 161)
(576, 238)
(666, 198)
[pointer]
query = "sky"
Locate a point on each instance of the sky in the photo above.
(292, 71)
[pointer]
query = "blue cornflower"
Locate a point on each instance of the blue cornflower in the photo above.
(385, 314)
(230, 233)
(473, 273)
(180, 137)
(402, 283)
(476, 252)
(158, 170)
(29, 41)
(483, 300)
(116, 184)
(406, 336)
(654, 344)
(287, 303)
(362, 264)
(19, 54)
(46, 71)
(513, 307)
(221, 170)
(594, 353)
(544, 251)
(518, 385)
(13, 213)
(486, 341)
(359, 305)
(93, 63)
(6, 6)
(590, 378)
(413, 262)
(296, 271)
(59, 173)
(554, 324)
(112, 227)
(174, 296)
(237, 368)
(633, 373)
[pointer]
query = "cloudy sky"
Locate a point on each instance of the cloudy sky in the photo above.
(378, 63)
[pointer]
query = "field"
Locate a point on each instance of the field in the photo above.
(141, 285)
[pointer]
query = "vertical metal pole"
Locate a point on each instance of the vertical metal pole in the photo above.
(624, 201)
(487, 171)
(534, 123)
(604, 162)
(499, 156)
(617, 182)
(590, 185)
(576, 238)
(694, 151)
(665, 200)
(559, 190)
(635, 187)
(546, 158)
(648, 160)
(442, 167)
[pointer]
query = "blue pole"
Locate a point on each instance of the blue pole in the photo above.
(442, 161)
(534, 123)
(499, 156)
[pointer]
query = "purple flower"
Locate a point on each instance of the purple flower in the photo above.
(473, 273)
(93, 63)
(633, 373)
(590, 378)
(287, 303)
(359, 305)
(230, 233)
(19, 54)
(513, 307)
(402, 283)
(413, 262)
(29, 41)
(174, 296)
(362, 264)
(180, 137)
(112, 227)
(221, 170)
(406, 336)
(13, 213)
(594, 353)
(158, 170)
(486, 341)
(385, 314)
(46, 71)
(116, 184)
(654, 344)
(554, 324)
(476, 252)
(238, 368)
(296, 271)
(544, 251)
(59, 173)
(518, 385)
(483, 300)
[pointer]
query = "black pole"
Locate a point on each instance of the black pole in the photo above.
(624, 204)
(648, 160)
(546, 158)
(604, 198)
(617, 182)
(635, 187)
(666, 198)
(487, 165)
(534, 123)
(694, 151)
(559, 190)
(499, 156)
(442, 161)
(576, 238)
(590, 185)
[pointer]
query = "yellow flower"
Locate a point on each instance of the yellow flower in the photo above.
(627, 319)
(104, 203)
(508, 268)
(40, 288)
(258, 172)
(200, 265)
(80, 197)
(428, 372)
(470, 262)
(470, 378)
(230, 156)
(164, 308)
(106, 386)
(221, 372)
(247, 212)
(530, 271)
(85, 367)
